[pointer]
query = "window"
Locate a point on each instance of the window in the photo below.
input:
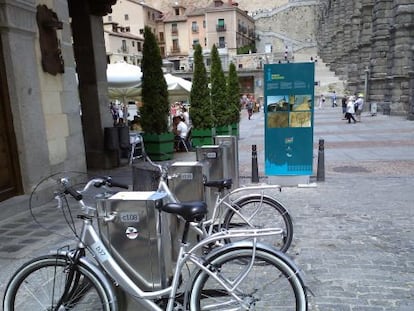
(194, 27)
(204, 24)
(195, 42)
(222, 42)
(175, 44)
(177, 11)
(126, 17)
(161, 35)
(109, 18)
(174, 29)
(133, 43)
(139, 46)
(124, 46)
(220, 25)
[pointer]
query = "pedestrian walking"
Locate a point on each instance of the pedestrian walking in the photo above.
(334, 99)
(344, 101)
(321, 101)
(359, 104)
(350, 109)
(249, 106)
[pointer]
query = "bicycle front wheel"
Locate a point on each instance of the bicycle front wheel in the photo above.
(262, 282)
(258, 211)
(42, 284)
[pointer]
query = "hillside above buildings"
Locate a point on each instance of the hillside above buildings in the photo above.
(248, 5)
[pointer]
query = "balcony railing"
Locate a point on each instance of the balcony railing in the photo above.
(175, 50)
(220, 27)
(174, 32)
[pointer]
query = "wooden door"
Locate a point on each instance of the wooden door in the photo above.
(10, 179)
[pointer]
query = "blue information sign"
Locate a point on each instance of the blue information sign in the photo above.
(289, 103)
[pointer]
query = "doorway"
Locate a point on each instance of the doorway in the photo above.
(10, 179)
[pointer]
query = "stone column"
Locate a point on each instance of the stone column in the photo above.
(90, 55)
(402, 34)
(380, 49)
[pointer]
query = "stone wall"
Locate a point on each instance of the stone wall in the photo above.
(292, 25)
(371, 41)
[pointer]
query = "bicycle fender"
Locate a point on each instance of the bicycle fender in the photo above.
(266, 197)
(260, 246)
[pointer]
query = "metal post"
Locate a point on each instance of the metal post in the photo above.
(366, 86)
(320, 174)
(255, 170)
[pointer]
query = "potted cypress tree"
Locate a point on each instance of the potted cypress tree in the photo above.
(218, 94)
(159, 142)
(233, 99)
(201, 111)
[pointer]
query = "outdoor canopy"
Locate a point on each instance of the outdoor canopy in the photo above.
(124, 83)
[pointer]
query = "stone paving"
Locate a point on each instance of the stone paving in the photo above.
(353, 236)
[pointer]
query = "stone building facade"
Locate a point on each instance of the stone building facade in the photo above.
(371, 45)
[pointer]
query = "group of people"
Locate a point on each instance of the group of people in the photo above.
(352, 107)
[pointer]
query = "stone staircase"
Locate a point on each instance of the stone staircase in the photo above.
(326, 79)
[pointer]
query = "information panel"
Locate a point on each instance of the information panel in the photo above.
(289, 104)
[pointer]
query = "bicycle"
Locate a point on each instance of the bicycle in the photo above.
(254, 210)
(224, 279)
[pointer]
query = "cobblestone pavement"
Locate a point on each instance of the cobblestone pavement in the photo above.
(353, 236)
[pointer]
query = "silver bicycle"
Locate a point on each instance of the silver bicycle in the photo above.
(245, 207)
(245, 275)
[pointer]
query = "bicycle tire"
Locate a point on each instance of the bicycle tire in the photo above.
(40, 283)
(283, 288)
(268, 213)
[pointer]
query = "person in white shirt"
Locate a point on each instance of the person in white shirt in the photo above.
(180, 130)
(359, 104)
(186, 116)
(350, 109)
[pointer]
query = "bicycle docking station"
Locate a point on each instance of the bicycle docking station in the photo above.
(136, 233)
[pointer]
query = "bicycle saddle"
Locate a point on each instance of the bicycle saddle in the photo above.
(220, 184)
(190, 211)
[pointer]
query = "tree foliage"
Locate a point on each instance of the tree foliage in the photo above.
(201, 110)
(218, 90)
(233, 94)
(155, 109)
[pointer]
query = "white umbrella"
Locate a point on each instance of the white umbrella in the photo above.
(177, 84)
(124, 81)
(123, 75)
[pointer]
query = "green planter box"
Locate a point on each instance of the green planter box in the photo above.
(200, 137)
(223, 130)
(159, 147)
(235, 129)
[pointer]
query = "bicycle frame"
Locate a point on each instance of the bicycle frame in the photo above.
(90, 239)
(220, 204)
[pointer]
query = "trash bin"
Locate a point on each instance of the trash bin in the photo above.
(138, 232)
(230, 157)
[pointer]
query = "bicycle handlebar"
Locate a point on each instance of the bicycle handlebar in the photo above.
(95, 182)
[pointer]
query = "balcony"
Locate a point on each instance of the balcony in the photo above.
(220, 28)
(175, 50)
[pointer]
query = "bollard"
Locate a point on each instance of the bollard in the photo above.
(320, 175)
(255, 170)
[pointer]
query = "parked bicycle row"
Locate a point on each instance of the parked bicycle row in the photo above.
(162, 253)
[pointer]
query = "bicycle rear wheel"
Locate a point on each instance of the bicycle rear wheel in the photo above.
(261, 212)
(40, 285)
(266, 283)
